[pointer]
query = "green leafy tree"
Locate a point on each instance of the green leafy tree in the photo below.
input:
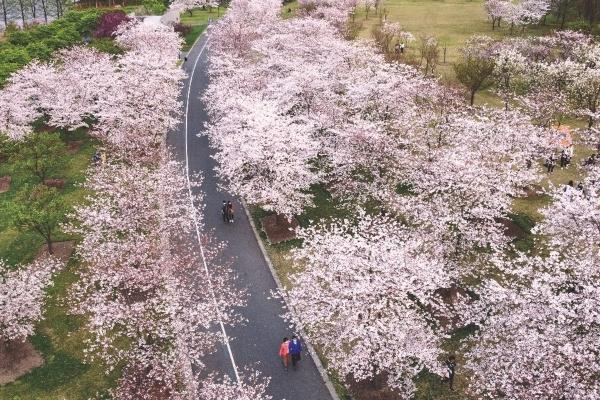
(6, 147)
(474, 73)
(154, 6)
(40, 154)
(38, 209)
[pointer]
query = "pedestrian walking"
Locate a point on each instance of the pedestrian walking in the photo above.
(397, 48)
(551, 163)
(96, 158)
(401, 48)
(451, 367)
(563, 159)
(284, 352)
(230, 212)
(295, 348)
(224, 211)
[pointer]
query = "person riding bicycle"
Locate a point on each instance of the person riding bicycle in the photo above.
(230, 212)
(224, 211)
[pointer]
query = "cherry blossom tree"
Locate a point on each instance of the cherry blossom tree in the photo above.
(189, 5)
(17, 102)
(520, 13)
(22, 292)
(363, 287)
(67, 89)
(144, 309)
(265, 156)
(252, 387)
(245, 21)
(573, 217)
(496, 9)
(538, 332)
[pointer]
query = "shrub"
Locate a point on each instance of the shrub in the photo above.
(154, 7)
(109, 22)
(105, 45)
(580, 26)
(40, 41)
(182, 29)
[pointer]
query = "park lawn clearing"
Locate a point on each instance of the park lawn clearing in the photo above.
(290, 9)
(60, 337)
(451, 21)
(198, 21)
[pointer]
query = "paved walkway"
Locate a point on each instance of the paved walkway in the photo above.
(256, 342)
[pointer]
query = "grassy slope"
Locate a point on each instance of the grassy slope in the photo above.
(60, 336)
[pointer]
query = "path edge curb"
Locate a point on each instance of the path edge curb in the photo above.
(309, 346)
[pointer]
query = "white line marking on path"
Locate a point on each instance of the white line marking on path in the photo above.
(187, 169)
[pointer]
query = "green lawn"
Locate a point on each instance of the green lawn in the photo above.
(198, 20)
(451, 21)
(289, 10)
(60, 336)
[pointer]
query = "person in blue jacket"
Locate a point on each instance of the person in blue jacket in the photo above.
(295, 350)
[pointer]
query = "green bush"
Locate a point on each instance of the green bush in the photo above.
(580, 26)
(41, 41)
(154, 6)
(106, 45)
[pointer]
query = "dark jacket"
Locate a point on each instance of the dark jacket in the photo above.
(295, 346)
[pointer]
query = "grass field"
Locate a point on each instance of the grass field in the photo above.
(198, 21)
(452, 22)
(60, 336)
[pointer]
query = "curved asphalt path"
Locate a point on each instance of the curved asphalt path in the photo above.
(256, 342)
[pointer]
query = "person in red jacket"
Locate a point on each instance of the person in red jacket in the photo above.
(284, 352)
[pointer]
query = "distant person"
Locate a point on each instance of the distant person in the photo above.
(451, 367)
(295, 348)
(397, 48)
(284, 352)
(401, 48)
(96, 157)
(563, 159)
(230, 212)
(224, 211)
(551, 163)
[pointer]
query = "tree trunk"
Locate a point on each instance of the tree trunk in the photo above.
(49, 243)
(22, 7)
(45, 10)
(4, 13)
